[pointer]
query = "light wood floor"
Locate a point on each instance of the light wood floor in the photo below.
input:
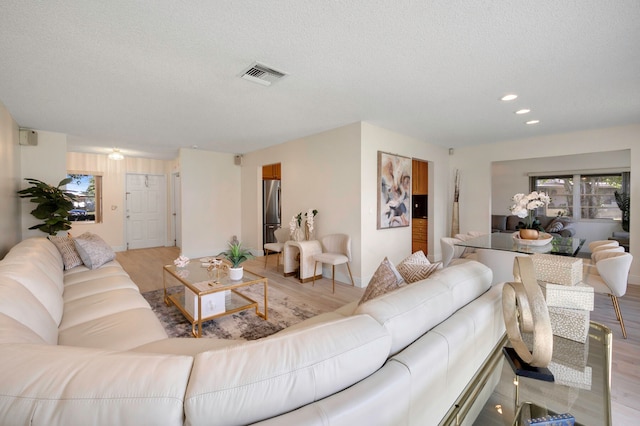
(145, 268)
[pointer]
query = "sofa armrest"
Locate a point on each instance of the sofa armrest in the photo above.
(46, 384)
(567, 232)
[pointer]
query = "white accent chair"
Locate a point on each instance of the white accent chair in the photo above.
(282, 236)
(452, 254)
(612, 274)
(336, 250)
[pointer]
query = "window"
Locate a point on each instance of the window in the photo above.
(582, 196)
(87, 207)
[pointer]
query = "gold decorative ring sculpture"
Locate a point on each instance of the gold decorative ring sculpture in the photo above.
(525, 310)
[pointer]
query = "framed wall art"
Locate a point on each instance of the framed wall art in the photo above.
(394, 190)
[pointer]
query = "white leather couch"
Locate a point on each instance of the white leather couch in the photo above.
(83, 347)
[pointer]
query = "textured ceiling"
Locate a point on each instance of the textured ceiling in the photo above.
(152, 76)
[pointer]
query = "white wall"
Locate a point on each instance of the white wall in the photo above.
(10, 223)
(475, 163)
(395, 243)
(319, 172)
(46, 162)
(336, 172)
(210, 201)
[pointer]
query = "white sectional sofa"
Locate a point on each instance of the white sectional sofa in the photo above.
(83, 347)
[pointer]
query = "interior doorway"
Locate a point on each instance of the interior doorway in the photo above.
(271, 201)
(145, 210)
(176, 209)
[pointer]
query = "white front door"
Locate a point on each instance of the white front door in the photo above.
(146, 211)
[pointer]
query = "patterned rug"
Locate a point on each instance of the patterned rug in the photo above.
(244, 325)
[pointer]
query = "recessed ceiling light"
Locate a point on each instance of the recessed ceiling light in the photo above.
(509, 97)
(532, 122)
(523, 111)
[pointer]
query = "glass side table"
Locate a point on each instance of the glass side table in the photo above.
(496, 396)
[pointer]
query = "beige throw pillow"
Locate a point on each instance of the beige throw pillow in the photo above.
(385, 279)
(67, 249)
(417, 267)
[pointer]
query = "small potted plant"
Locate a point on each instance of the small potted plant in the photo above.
(236, 254)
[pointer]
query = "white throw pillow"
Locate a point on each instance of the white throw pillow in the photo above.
(417, 267)
(93, 251)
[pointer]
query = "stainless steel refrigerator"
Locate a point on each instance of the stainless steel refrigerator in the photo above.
(270, 209)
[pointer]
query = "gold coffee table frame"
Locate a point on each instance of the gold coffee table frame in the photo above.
(201, 282)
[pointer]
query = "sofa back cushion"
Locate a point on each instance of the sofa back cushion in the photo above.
(43, 288)
(39, 253)
(413, 310)
(498, 222)
(20, 305)
(512, 222)
(256, 380)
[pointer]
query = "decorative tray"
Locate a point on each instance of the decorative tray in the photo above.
(542, 240)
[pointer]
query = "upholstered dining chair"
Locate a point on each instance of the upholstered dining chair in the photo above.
(594, 245)
(611, 278)
(282, 235)
(336, 250)
(452, 254)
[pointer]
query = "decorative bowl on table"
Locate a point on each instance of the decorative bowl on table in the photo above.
(542, 240)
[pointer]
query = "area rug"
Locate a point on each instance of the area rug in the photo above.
(245, 325)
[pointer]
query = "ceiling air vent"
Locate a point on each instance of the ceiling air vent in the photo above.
(262, 74)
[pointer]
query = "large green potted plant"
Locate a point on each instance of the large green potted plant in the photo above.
(53, 205)
(236, 254)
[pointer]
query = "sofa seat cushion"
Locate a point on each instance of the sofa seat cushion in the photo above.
(236, 385)
(96, 286)
(82, 273)
(120, 331)
(21, 305)
(100, 305)
(63, 385)
(414, 309)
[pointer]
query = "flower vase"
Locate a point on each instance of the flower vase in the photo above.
(307, 234)
(529, 234)
(235, 274)
(298, 235)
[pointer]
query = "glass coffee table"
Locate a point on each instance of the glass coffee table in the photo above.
(496, 396)
(210, 293)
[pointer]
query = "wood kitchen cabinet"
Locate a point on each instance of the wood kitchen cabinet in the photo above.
(419, 234)
(271, 171)
(420, 172)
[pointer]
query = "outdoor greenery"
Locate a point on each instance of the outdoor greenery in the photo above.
(624, 203)
(53, 205)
